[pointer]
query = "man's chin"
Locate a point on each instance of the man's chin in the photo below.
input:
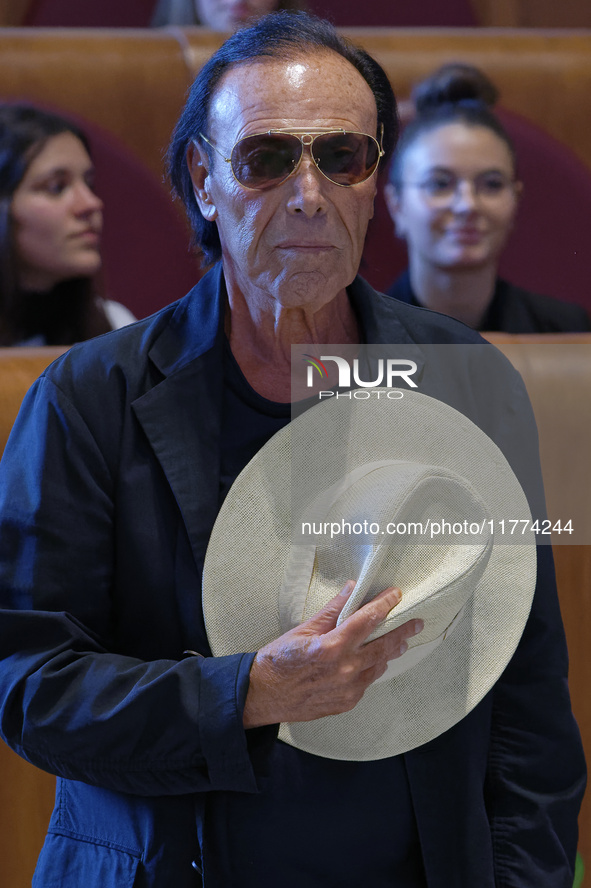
(306, 288)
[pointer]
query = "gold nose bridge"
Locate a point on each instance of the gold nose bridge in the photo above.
(306, 141)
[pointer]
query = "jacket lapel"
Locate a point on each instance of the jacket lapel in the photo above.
(181, 414)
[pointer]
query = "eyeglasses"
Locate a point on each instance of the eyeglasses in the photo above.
(442, 187)
(264, 160)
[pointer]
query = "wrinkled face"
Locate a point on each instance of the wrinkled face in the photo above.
(458, 200)
(227, 15)
(57, 218)
(300, 241)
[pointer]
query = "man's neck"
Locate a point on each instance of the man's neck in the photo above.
(261, 335)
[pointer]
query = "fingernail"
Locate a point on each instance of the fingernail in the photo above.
(418, 627)
(347, 588)
(403, 648)
(397, 592)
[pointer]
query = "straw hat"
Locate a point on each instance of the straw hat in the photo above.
(402, 491)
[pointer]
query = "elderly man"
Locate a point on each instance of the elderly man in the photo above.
(170, 770)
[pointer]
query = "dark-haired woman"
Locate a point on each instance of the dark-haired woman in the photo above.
(453, 195)
(50, 234)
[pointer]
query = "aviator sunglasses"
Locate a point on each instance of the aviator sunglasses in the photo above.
(264, 160)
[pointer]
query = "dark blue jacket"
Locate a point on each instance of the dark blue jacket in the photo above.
(108, 492)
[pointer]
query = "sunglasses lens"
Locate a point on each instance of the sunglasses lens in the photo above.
(263, 161)
(346, 158)
(267, 159)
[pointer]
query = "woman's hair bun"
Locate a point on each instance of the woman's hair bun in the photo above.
(451, 84)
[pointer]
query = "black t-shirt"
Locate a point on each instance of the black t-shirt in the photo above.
(285, 835)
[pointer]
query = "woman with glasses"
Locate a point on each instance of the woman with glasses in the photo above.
(453, 195)
(50, 233)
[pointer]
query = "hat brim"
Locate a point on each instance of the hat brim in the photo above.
(250, 545)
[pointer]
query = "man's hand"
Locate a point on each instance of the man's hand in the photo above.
(320, 669)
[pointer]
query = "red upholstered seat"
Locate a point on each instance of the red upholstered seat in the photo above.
(550, 248)
(83, 14)
(147, 260)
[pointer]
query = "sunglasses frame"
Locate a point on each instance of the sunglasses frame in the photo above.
(307, 138)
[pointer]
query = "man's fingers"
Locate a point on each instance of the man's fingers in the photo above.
(326, 619)
(388, 647)
(359, 626)
(319, 669)
(395, 642)
(354, 631)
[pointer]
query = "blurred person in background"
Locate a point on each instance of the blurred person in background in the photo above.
(50, 233)
(220, 15)
(453, 195)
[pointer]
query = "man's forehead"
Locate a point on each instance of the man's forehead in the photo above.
(311, 84)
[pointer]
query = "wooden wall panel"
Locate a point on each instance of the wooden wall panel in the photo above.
(26, 802)
(131, 83)
(13, 12)
(533, 13)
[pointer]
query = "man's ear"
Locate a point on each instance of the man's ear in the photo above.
(392, 199)
(198, 163)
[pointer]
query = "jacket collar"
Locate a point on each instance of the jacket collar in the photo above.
(381, 324)
(379, 315)
(195, 326)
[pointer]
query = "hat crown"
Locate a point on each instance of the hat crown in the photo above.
(386, 510)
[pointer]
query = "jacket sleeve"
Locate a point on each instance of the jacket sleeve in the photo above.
(71, 703)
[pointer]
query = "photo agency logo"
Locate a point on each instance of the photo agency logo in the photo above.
(387, 373)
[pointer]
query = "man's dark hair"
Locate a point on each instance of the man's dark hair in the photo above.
(279, 35)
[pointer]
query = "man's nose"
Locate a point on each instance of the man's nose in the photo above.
(307, 184)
